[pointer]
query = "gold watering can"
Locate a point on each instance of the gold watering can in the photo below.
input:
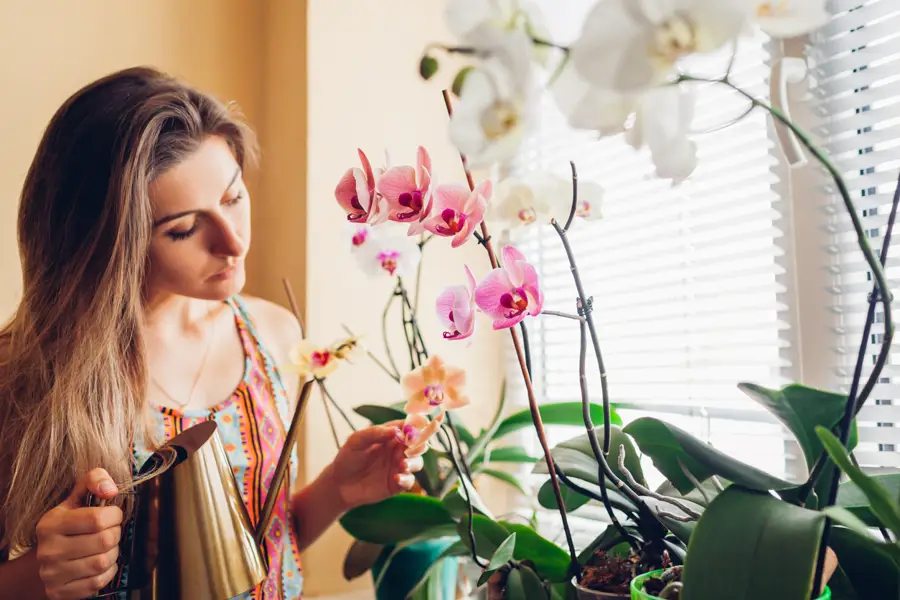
(192, 537)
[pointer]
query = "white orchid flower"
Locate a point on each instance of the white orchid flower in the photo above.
(484, 23)
(631, 45)
(538, 197)
(589, 107)
(385, 250)
(790, 18)
(662, 121)
(498, 104)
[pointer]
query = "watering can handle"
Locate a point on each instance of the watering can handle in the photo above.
(284, 460)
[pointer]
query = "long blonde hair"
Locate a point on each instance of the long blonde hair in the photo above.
(74, 372)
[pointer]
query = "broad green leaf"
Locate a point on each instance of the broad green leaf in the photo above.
(456, 549)
(851, 497)
(562, 591)
(503, 554)
(801, 409)
(430, 475)
(514, 454)
(489, 534)
(696, 496)
(378, 415)
(881, 503)
(576, 457)
(846, 518)
(398, 518)
(524, 584)
(557, 413)
(550, 561)
(841, 587)
(504, 477)
(666, 445)
(572, 500)
(870, 568)
(455, 503)
(478, 446)
(754, 546)
(465, 435)
(605, 541)
(438, 532)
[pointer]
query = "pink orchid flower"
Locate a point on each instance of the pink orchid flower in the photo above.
(416, 432)
(457, 211)
(456, 309)
(407, 191)
(433, 385)
(510, 292)
(307, 359)
(355, 192)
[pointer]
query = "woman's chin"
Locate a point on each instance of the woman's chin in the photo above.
(226, 287)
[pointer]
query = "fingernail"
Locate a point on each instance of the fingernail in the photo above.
(108, 487)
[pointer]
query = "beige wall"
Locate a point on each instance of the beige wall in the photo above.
(359, 64)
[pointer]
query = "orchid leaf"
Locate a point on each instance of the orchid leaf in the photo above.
(398, 518)
(556, 413)
(670, 447)
(379, 415)
(456, 549)
(505, 477)
(801, 409)
(572, 500)
(360, 558)
(504, 553)
(455, 503)
(851, 497)
(550, 561)
(478, 446)
(513, 454)
(754, 546)
(883, 506)
(524, 584)
(576, 457)
(869, 566)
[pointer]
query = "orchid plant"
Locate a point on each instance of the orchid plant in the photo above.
(624, 74)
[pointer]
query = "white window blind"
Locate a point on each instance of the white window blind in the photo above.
(857, 71)
(688, 282)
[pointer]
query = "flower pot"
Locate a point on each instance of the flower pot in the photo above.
(638, 593)
(409, 565)
(583, 593)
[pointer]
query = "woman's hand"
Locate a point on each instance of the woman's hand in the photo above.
(77, 547)
(371, 466)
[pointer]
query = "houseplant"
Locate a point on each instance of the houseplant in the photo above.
(626, 63)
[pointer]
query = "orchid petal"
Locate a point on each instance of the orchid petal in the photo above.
(396, 181)
(423, 168)
(490, 290)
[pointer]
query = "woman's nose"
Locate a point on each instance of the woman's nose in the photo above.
(228, 242)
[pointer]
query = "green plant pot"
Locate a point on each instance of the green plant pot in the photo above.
(638, 593)
(409, 565)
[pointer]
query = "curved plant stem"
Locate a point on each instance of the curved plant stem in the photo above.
(374, 358)
(574, 206)
(603, 467)
(526, 346)
(529, 388)
(471, 528)
(556, 313)
(336, 405)
(337, 441)
(384, 335)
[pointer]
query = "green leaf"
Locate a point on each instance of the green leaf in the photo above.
(465, 435)
(455, 503)
(524, 584)
(504, 477)
(576, 458)
(562, 591)
(868, 565)
(428, 66)
(430, 475)
(841, 515)
(695, 496)
(550, 561)
(378, 414)
(459, 80)
(801, 409)
(398, 518)
(851, 497)
(556, 413)
(605, 541)
(489, 534)
(514, 454)
(504, 553)
(883, 505)
(841, 586)
(572, 500)
(666, 445)
(456, 549)
(754, 546)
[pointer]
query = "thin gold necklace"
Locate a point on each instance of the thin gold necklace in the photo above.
(209, 344)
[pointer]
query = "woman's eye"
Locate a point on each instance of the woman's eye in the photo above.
(182, 235)
(235, 200)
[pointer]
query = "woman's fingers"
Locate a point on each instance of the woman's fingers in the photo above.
(404, 481)
(414, 465)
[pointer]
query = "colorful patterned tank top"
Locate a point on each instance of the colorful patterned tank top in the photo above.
(253, 425)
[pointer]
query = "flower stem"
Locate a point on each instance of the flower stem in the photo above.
(337, 441)
(574, 207)
(529, 389)
(468, 498)
(384, 335)
(526, 346)
(554, 313)
(336, 405)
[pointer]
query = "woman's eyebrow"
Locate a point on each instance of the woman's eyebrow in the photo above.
(178, 215)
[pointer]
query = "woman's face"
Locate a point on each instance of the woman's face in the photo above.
(201, 226)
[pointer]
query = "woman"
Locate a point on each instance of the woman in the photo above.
(133, 228)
